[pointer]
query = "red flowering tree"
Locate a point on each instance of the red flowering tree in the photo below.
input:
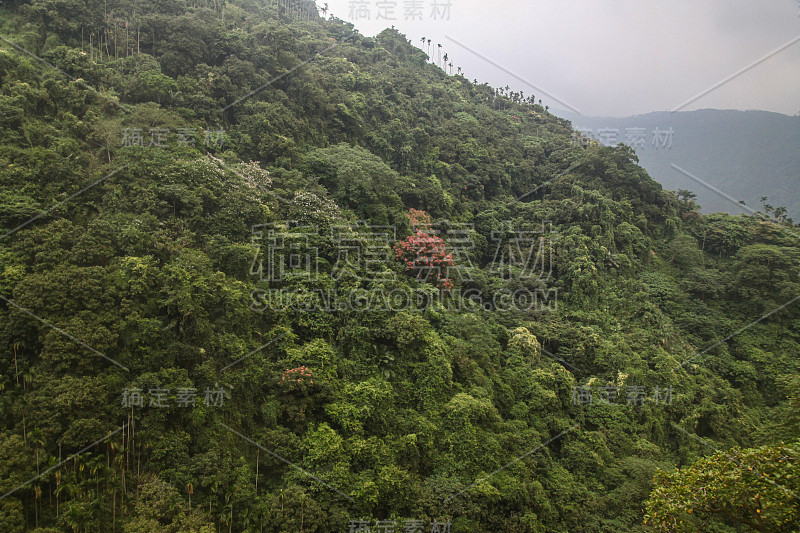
(297, 377)
(424, 253)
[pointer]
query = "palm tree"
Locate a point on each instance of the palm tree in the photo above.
(459, 70)
(429, 47)
(439, 61)
(687, 197)
(39, 442)
(451, 67)
(768, 208)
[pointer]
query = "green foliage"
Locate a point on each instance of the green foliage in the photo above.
(143, 265)
(755, 487)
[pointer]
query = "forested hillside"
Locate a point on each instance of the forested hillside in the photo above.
(260, 273)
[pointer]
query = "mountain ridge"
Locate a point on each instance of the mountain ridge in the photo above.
(745, 154)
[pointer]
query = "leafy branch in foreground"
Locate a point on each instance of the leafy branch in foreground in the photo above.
(758, 487)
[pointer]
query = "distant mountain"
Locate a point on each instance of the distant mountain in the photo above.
(744, 154)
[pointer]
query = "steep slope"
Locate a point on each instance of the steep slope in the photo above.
(260, 273)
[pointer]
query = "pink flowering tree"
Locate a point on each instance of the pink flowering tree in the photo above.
(299, 378)
(424, 254)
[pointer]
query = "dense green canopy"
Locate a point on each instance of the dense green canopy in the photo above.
(205, 325)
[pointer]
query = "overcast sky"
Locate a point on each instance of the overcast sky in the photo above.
(612, 57)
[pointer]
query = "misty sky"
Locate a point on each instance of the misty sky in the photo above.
(613, 57)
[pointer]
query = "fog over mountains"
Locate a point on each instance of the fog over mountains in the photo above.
(745, 155)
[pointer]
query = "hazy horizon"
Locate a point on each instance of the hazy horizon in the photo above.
(559, 112)
(617, 58)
